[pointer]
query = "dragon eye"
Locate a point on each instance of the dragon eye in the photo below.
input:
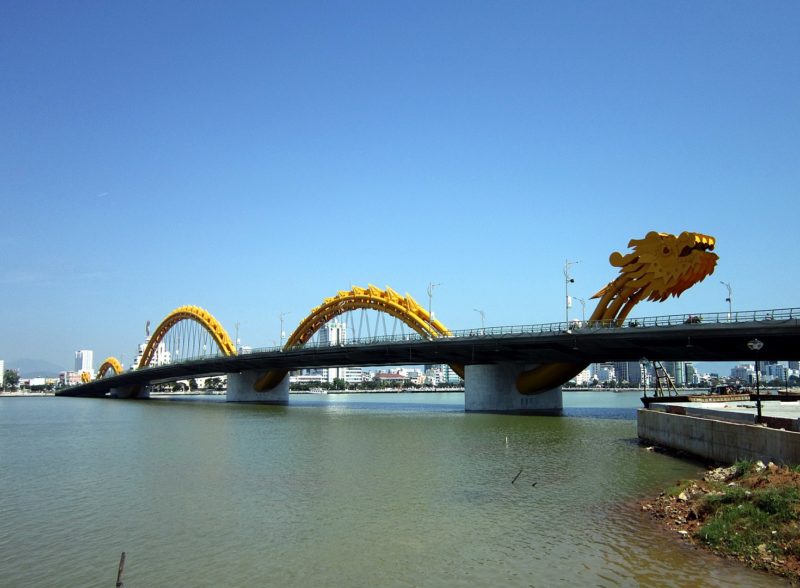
(666, 250)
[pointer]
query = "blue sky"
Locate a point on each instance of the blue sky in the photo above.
(253, 158)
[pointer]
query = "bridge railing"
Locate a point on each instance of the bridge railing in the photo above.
(577, 326)
(574, 326)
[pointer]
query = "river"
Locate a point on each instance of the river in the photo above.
(338, 490)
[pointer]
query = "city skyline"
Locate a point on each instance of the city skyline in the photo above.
(254, 160)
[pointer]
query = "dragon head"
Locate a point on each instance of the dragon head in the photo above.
(662, 265)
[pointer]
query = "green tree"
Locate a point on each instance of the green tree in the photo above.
(339, 384)
(10, 380)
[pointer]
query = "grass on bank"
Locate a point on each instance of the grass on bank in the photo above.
(756, 517)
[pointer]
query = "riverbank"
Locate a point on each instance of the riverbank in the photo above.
(747, 512)
(24, 393)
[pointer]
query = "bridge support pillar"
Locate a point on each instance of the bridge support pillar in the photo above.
(129, 392)
(240, 389)
(492, 388)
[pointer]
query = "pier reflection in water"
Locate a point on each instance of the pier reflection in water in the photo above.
(367, 490)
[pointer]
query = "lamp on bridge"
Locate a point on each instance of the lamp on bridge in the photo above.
(567, 281)
(431, 286)
(728, 299)
(280, 317)
(644, 362)
(756, 345)
(583, 309)
(483, 318)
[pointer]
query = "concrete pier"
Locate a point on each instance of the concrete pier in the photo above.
(492, 388)
(240, 389)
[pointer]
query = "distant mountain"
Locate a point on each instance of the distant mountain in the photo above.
(35, 368)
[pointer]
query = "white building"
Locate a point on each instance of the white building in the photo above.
(69, 378)
(161, 356)
(351, 375)
(2, 373)
(441, 374)
(584, 378)
(84, 361)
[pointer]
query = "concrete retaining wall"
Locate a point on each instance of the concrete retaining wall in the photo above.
(719, 441)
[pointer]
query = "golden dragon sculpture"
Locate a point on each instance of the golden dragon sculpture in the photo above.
(661, 265)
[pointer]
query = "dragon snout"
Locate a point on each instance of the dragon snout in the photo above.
(695, 242)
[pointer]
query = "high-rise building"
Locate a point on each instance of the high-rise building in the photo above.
(692, 377)
(2, 373)
(333, 333)
(628, 371)
(794, 365)
(84, 361)
(676, 371)
(743, 374)
(604, 372)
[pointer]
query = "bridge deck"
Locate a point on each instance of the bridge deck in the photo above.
(686, 342)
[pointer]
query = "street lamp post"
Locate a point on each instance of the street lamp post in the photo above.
(431, 286)
(567, 281)
(728, 299)
(283, 314)
(483, 318)
(756, 345)
(643, 362)
(583, 309)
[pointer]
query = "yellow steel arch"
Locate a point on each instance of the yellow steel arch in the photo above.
(404, 308)
(196, 314)
(110, 363)
(387, 301)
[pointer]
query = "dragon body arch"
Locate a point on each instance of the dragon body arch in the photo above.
(109, 363)
(404, 308)
(194, 313)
